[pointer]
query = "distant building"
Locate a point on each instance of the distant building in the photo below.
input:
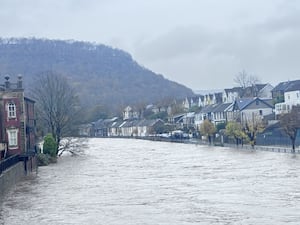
(129, 113)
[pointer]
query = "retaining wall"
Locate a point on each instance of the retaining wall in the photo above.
(10, 177)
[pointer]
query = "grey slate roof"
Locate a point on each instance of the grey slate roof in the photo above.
(221, 107)
(242, 103)
(284, 86)
(293, 86)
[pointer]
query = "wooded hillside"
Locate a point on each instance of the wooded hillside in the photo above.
(102, 75)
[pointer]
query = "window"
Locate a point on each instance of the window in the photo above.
(260, 112)
(11, 108)
(12, 137)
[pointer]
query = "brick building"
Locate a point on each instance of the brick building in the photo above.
(17, 120)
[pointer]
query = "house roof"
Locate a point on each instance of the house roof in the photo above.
(260, 86)
(293, 86)
(208, 109)
(283, 86)
(242, 103)
(178, 115)
(116, 124)
(149, 123)
(221, 107)
(235, 89)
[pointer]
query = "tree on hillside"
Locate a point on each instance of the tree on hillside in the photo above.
(57, 104)
(235, 130)
(290, 122)
(207, 129)
(94, 113)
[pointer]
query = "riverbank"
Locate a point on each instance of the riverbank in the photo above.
(11, 176)
(280, 149)
(119, 181)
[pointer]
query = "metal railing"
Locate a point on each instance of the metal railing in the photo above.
(6, 163)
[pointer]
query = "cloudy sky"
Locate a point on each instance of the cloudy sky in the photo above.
(202, 44)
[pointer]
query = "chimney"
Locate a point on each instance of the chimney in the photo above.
(20, 82)
(7, 83)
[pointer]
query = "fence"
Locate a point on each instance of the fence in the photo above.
(6, 163)
(264, 148)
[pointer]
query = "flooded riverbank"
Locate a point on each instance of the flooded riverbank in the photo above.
(126, 181)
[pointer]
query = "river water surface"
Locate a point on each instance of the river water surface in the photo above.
(121, 181)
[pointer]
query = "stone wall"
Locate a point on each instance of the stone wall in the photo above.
(10, 177)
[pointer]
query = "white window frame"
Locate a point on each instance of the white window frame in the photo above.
(11, 110)
(12, 137)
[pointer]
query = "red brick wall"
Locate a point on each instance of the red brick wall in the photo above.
(12, 123)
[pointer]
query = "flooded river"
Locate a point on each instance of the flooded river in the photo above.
(136, 182)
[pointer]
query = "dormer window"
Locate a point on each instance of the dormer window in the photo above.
(11, 110)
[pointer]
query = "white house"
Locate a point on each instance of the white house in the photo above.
(291, 98)
(219, 113)
(266, 91)
(229, 95)
(129, 113)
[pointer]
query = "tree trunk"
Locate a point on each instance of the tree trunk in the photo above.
(293, 145)
(237, 141)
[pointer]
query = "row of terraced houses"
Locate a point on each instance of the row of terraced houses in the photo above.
(261, 101)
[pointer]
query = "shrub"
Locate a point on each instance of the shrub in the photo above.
(49, 146)
(43, 159)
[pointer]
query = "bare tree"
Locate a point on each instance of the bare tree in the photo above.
(75, 146)
(244, 80)
(57, 104)
(290, 122)
(241, 79)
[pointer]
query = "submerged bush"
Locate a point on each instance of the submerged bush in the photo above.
(43, 159)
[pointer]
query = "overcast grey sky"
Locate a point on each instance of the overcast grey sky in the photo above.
(202, 44)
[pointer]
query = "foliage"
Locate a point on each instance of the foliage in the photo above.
(94, 113)
(43, 159)
(176, 109)
(161, 128)
(253, 126)
(49, 146)
(290, 123)
(161, 115)
(208, 129)
(235, 130)
(57, 104)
